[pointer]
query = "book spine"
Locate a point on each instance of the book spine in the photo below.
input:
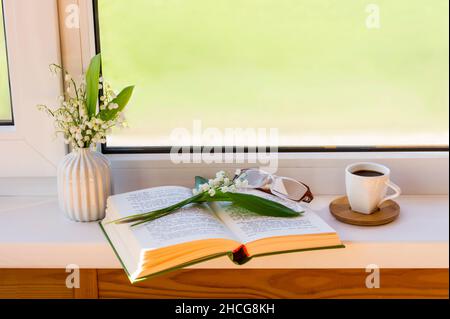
(240, 255)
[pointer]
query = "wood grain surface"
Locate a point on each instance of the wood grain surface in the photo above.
(88, 285)
(227, 283)
(277, 283)
(341, 210)
(34, 283)
(46, 283)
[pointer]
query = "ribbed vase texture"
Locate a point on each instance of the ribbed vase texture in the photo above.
(84, 184)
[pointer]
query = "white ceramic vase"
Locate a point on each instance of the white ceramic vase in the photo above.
(84, 184)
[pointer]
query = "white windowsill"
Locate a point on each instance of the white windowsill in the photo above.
(35, 234)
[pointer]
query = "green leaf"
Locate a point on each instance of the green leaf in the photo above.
(218, 197)
(92, 78)
(122, 100)
(199, 181)
(250, 202)
(262, 206)
(160, 212)
(197, 199)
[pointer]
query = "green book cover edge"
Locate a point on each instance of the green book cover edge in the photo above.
(157, 273)
(199, 260)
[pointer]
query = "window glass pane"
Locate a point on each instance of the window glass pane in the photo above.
(5, 104)
(323, 72)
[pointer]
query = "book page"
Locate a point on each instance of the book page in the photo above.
(250, 226)
(147, 200)
(193, 222)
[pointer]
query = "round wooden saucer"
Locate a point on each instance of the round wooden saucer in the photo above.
(340, 209)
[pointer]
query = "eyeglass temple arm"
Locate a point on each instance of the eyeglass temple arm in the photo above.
(308, 197)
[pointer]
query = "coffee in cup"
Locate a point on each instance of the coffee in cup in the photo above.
(367, 184)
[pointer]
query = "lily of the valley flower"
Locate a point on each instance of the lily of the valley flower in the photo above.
(219, 189)
(72, 119)
(222, 183)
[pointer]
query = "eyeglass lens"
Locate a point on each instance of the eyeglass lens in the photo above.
(255, 178)
(289, 188)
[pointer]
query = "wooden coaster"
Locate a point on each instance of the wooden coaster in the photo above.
(340, 209)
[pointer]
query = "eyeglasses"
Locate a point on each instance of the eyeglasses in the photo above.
(280, 186)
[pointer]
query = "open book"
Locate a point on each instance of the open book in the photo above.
(199, 232)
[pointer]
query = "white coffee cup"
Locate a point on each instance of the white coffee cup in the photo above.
(367, 193)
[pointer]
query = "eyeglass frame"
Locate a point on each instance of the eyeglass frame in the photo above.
(307, 197)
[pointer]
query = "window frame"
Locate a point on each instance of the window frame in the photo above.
(105, 149)
(284, 149)
(11, 121)
(30, 150)
(419, 170)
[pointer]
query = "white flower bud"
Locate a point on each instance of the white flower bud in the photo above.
(220, 174)
(113, 106)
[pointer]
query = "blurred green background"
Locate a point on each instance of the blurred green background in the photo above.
(5, 106)
(311, 68)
